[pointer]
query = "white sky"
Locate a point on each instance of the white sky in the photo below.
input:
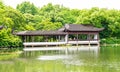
(79, 4)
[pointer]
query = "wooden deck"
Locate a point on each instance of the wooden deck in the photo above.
(42, 43)
(58, 43)
(83, 42)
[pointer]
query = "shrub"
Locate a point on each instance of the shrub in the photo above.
(110, 41)
(7, 40)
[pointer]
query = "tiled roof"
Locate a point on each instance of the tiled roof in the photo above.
(81, 27)
(40, 33)
(62, 31)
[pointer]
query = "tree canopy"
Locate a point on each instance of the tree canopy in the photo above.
(27, 16)
(27, 7)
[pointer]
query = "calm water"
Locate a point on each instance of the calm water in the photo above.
(107, 59)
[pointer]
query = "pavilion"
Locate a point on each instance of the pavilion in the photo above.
(70, 34)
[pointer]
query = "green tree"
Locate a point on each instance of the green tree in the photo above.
(13, 18)
(56, 13)
(27, 7)
(47, 25)
(7, 39)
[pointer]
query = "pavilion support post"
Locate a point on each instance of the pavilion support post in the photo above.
(25, 38)
(77, 39)
(29, 38)
(25, 41)
(95, 36)
(59, 38)
(32, 40)
(89, 39)
(56, 40)
(46, 40)
(98, 40)
(66, 38)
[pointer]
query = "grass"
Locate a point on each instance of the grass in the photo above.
(8, 54)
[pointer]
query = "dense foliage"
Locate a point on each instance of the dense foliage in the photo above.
(27, 16)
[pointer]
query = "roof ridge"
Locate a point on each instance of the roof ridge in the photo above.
(67, 26)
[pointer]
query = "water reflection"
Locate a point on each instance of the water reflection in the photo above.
(72, 56)
(71, 59)
(64, 52)
(54, 57)
(83, 58)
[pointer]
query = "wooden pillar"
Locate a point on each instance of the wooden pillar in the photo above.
(59, 38)
(89, 39)
(25, 39)
(88, 36)
(28, 38)
(56, 38)
(77, 39)
(98, 40)
(32, 38)
(46, 40)
(66, 38)
(98, 36)
(95, 36)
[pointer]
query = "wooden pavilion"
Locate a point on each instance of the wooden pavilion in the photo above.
(73, 34)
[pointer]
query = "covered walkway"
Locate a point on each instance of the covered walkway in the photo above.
(73, 34)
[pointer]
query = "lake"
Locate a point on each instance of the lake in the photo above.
(105, 59)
